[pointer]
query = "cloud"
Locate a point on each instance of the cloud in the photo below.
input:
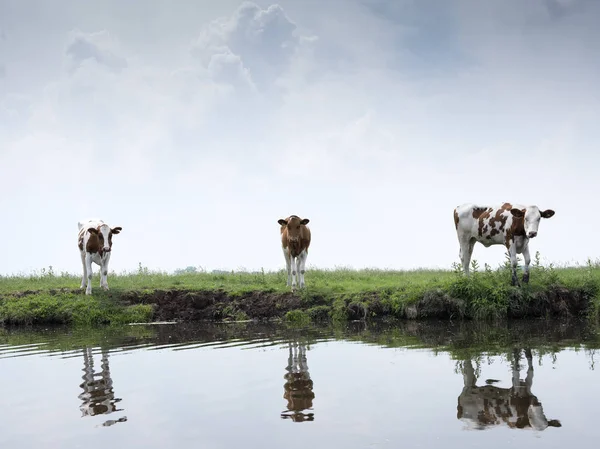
(94, 46)
(94, 119)
(260, 43)
(14, 110)
(228, 68)
(561, 8)
(422, 32)
(383, 113)
(2, 65)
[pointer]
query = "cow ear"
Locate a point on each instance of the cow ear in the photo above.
(282, 222)
(93, 231)
(547, 213)
(304, 221)
(517, 212)
(116, 230)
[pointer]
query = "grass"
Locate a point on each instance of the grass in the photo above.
(339, 294)
(338, 280)
(46, 308)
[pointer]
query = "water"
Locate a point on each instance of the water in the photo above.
(267, 386)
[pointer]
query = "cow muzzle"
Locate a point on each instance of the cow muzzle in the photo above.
(106, 249)
(531, 234)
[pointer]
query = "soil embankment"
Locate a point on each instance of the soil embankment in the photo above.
(444, 296)
(189, 305)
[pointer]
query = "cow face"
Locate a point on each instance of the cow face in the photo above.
(104, 234)
(531, 218)
(293, 225)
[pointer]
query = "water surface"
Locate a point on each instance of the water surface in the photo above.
(270, 386)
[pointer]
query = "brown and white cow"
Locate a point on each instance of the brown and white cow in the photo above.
(95, 245)
(516, 407)
(298, 387)
(509, 225)
(295, 240)
(98, 397)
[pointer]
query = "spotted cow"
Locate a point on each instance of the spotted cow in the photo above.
(295, 240)
(509, 225)
(95, 245)
(516, 407)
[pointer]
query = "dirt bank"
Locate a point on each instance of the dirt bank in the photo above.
(190, 305)
(63, 306)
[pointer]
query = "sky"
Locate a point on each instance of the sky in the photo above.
(196, 125)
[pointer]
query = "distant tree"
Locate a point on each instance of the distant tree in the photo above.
(189, 269)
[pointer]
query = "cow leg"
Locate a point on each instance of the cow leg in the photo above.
(295, 269)
(512, 250)
(527, 260)
(466, 250)
(471, 246)
(302, 267)
(516, 369)
(302, 358)
(104, 272)
(529, 378)
(88, 264)
(288, 264)
(469, 378)
(84, 276)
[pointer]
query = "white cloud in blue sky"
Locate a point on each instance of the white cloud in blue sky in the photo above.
(196, 125)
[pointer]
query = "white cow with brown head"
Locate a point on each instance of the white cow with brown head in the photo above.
(95, 245)
(295, 240)
(486, 406)
(509, 225)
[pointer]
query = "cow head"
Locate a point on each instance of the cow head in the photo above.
(104, 234)
(293, 224)
(531, 216)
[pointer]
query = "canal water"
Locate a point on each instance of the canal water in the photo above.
(247, 385)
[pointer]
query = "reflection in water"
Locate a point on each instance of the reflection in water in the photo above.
(487, 405)
(98, 396)
(298, 388)
(254, 355)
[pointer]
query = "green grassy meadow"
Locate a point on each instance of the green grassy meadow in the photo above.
(339, 294)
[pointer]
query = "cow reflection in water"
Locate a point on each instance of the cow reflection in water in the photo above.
(298, 388)
(516, 407)
(98, 396)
